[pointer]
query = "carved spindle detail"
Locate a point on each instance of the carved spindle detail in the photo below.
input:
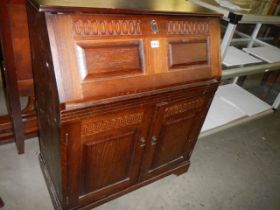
(90, 127)
(187, 27)
(96, 27)
(182, 107)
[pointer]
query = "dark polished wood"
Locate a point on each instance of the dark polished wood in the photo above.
(9, 69)
(20, 124)
(1, 203)
(121, 98)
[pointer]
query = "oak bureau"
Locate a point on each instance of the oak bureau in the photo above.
(122, 90)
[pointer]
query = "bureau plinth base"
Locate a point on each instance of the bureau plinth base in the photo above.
(179, 170)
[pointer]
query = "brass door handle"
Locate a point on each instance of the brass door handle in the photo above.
(142, 141)
(154, 140)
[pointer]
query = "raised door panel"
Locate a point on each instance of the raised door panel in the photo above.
(109, 59)
(108, 161)
(172, 139)
(188, 53)
(173, 126)
(107, 157)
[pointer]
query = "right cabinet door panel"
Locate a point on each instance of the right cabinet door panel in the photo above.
(174, 125)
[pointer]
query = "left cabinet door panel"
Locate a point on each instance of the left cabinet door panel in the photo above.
(110, 147)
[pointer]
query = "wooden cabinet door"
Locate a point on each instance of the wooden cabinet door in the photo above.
(175, 127)
(108, 155)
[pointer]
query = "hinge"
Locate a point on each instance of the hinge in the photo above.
(66, 138)
(67, 200)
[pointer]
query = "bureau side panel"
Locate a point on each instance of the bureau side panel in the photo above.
(46, 97)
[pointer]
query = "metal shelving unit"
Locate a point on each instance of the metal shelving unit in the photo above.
(256, 56)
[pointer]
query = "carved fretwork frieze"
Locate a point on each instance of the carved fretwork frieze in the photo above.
(97, 27)
(183, 107)
(187, 27)
(90, 127)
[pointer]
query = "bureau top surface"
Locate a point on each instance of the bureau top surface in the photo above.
(175, 7)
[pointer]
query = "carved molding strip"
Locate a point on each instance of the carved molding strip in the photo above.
(187, 27)
(182, 107)
(90, 127)
(92, 27)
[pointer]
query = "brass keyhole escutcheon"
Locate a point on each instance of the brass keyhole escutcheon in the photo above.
(154, 27)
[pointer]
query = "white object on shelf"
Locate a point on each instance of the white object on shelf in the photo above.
(235, 57)
(268, 54)
(231, 103)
